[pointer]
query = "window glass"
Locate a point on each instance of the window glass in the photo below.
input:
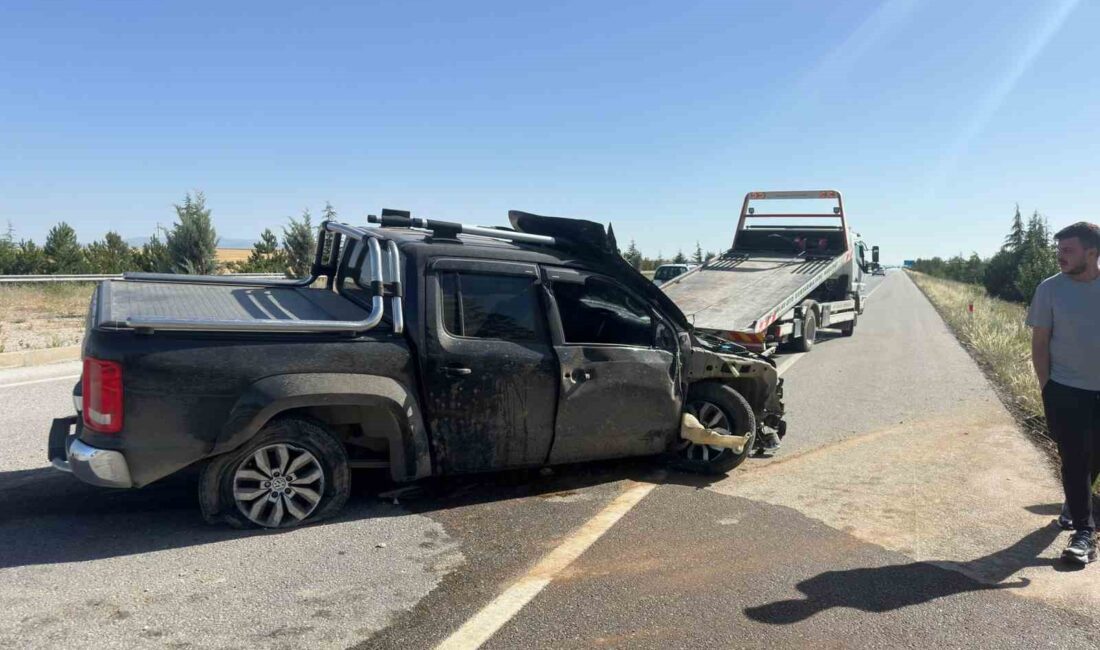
(489, 306)
(356, 281)
(599, 312)
(668, 272)
(449, 284)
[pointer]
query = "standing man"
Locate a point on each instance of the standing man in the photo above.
(1065, 350)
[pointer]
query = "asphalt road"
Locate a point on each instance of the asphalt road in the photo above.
(905, 510)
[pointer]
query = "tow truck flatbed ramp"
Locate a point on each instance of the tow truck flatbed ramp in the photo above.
(747, 292)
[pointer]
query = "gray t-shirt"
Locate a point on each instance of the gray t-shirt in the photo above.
(1072, 310)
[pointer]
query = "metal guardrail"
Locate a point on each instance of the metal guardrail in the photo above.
(96, 278)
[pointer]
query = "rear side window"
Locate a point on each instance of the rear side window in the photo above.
(489, 306)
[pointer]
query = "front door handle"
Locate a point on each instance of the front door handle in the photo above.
(456, 371)
(579, 375)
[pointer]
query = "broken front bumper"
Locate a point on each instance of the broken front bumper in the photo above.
(94, 466)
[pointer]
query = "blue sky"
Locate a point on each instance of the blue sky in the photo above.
(934, 118)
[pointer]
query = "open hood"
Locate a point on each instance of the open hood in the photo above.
(581, 233)
(593, 242)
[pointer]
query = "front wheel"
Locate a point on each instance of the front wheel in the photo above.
(293, 472)
(722, 408)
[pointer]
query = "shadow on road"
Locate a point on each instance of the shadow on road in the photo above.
(49, 517)
(1052, 509)
(883, 589)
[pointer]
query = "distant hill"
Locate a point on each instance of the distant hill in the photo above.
(224, 242)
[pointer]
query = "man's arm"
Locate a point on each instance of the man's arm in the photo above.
(1040, 353)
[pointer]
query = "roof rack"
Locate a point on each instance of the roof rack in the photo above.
(404, 219)
(372, 251)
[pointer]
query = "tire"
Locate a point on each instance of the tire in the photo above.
(703, 459)
(292, 472)
(805, 343)
(849, 328)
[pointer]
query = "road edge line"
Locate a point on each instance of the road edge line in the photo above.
(38, 381)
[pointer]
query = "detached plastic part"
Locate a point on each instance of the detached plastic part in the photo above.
(694, 432)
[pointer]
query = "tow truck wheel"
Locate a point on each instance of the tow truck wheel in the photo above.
(809, 333)
(849, 328)
(717, 407)
(293, 472)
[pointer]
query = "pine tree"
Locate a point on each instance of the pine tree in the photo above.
(63, 253)
(192, 242)
(709, 256)
(697, 257)
(299, 244)
(633, 256)
(680, 257)
(153, 256)
(1037, 259)
(1015, 238)
(29, 259)
(9, 251)
(266, 257)
(112, 255)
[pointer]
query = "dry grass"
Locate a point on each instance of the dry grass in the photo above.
(42, 315)
(226, 255)
(45, 299)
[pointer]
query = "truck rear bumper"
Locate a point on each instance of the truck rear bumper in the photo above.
(94, 466)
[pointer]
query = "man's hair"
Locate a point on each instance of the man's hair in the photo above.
(1088, 233)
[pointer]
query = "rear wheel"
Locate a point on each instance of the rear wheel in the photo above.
(805, 342)
(722, 408)
(293, 472)
(849, 328)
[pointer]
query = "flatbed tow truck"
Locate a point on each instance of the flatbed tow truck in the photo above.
(779, 283)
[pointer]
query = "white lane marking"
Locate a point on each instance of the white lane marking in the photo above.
(786, 362)
(493, 616)
(877, 287)
(38, 381)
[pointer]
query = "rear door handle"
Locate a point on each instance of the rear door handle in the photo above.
(456, 371)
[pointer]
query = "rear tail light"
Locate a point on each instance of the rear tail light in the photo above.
(102, 393)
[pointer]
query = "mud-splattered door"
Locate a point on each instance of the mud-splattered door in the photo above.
(491, 375)
(619, 384)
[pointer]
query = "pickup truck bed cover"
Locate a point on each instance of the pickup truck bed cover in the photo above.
(739, 291)
(128, 299)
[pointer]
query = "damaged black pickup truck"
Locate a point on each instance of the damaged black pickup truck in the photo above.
(423, 347)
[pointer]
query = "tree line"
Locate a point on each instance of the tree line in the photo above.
(189, 246)
(1027, 257)
(643, 263)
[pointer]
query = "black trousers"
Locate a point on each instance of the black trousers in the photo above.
(1073, 416)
